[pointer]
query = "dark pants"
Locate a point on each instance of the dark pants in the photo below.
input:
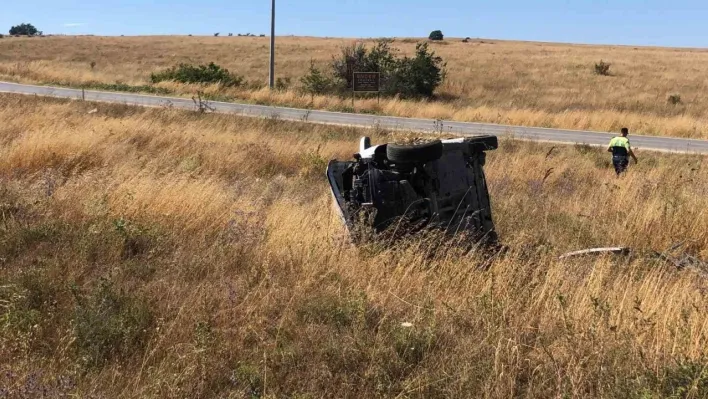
(621, 162)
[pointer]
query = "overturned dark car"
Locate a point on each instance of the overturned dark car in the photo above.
(409, 188)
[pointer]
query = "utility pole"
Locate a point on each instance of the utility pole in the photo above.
(272, 45)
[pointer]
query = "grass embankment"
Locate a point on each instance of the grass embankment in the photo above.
(158, 253)
(517, 83)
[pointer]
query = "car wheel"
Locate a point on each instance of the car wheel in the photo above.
(419, 153)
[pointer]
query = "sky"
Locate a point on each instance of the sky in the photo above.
(679, 23)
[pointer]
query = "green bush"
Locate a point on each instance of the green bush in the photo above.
(351, 59)
(109, 325)
(26, 304)
(420, 75)
(315, 82)
(24, 29)
(685, 379)
(408, 77)
(357, 58)
(205, 74)
(125, 87)
(436, 35)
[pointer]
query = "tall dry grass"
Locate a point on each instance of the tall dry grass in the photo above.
(158, 253)
(518, 83)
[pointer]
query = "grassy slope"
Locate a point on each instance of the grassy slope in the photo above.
(156, 253)
(519, 83)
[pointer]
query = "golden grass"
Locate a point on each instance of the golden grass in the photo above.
(227, 274)
(518, 83)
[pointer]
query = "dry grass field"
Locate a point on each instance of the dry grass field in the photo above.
(160, 253)
(518, 83)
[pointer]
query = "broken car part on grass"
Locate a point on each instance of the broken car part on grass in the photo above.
(681, 261)
(400, 189)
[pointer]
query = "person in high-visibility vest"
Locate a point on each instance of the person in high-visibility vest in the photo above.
(621, 151)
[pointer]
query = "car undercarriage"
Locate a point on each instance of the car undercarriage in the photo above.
(435, 185)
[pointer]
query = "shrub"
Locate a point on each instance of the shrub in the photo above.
(350, 60)
(436, 35)
(681, 380)
(26, 304)
(249, 378)
(315, 82)
(418, 76)
(109, 325)
(382, 59)
(185, 73)
(357, 58)
(674, 99)
(1, 35)
(408, 77)
(282, 83)
(118, 86)
(603, 68)
(216, 34)
(24, 29)
(466, 40)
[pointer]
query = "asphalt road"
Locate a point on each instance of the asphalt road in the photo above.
(364, 120)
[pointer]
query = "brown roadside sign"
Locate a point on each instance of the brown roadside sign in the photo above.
(367, 81)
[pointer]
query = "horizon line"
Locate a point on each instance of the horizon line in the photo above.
(420, 38)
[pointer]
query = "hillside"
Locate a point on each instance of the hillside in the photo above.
(518, 83)
(161, 253)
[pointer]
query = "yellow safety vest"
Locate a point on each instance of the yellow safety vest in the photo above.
(620, 142)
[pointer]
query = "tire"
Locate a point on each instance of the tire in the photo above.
(483, 143)
(420, 153)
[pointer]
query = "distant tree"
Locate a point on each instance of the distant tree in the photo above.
(436, 35)
(231, 34)
(216, 34)
(24, 29)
